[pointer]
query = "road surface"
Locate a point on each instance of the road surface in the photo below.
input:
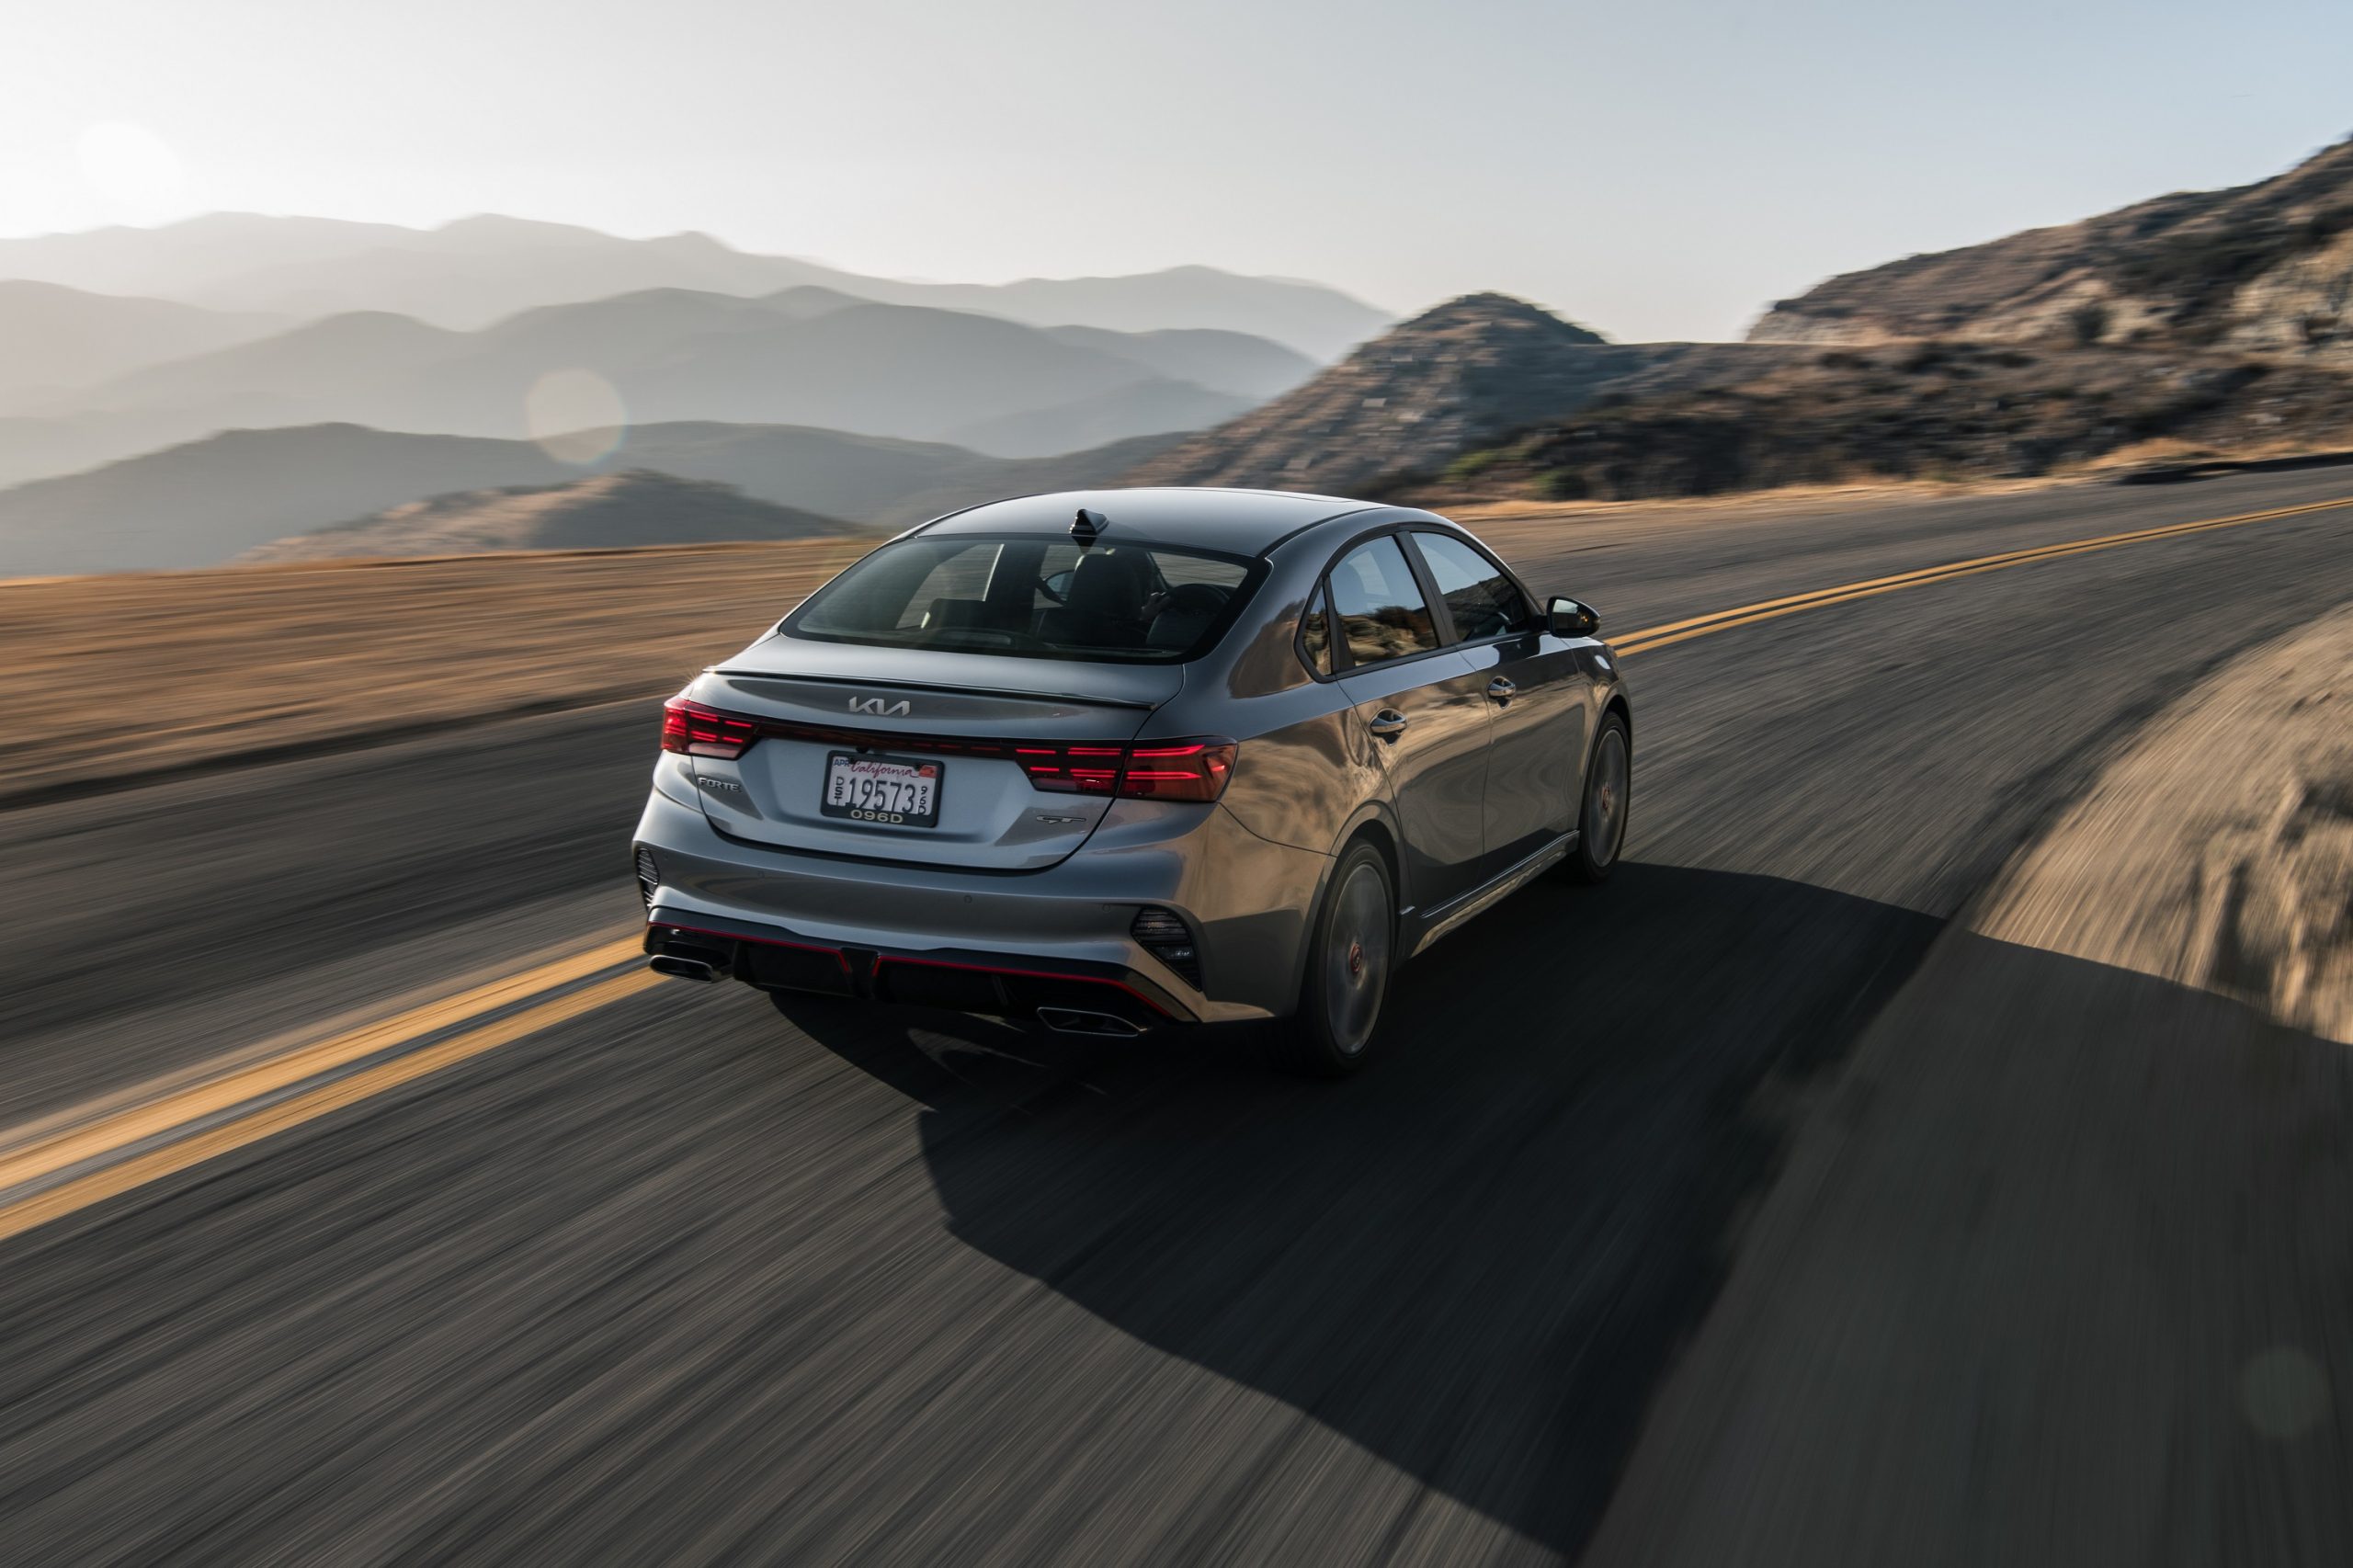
(675, 1279)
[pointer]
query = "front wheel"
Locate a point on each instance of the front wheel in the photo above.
(1351, 950)
(1601, 816)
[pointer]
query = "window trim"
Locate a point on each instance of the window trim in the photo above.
(1319, 592)
(1455, 639)
(1344, 661)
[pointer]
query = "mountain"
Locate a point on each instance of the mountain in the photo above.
(1453, 379)
(183, 258)
(806, 355)
(636, 506)
(207, 501)
(53, 338)
(476, 270)
(1236, 363)
(1319, 321)
(1139, 408)
(1942, 411)
(2263, 269)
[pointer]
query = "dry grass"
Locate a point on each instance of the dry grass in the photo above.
(109, 678)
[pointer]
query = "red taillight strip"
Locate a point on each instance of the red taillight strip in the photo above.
(890, 959)
(839, 956)
(1088, 767)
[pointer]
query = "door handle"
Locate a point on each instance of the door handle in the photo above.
(1388, 725)
(1501, 689)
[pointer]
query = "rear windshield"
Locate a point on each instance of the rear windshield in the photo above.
(1034, 598)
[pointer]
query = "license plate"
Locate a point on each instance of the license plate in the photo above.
(890, 791)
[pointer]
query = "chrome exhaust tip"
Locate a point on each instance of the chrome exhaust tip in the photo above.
(1073, 1020)
(679, 967)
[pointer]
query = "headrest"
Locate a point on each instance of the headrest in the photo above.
(1108, 583)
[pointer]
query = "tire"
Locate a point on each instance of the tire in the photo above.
(1350, 957)
(1601, 815)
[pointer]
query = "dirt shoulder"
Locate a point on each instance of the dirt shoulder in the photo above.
(2218, 853)
(2056, 1270)
(121, 678)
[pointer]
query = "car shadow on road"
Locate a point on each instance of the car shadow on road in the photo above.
(1477, 1258)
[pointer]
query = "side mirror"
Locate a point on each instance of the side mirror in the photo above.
(1570, 619)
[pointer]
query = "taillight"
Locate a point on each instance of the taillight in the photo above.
(1159, 770)
(1178, 770)
(698, 731)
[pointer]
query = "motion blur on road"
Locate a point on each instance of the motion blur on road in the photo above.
(1935, 1145)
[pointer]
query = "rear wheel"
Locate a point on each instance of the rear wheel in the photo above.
(1350, 953)
(1601, 816)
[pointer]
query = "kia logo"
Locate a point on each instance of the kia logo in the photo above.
(874, 707)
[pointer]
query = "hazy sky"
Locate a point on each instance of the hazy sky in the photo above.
(1656, 168)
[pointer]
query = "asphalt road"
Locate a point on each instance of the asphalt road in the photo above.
(680, 1280)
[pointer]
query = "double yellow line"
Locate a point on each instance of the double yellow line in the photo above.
(69, 1162)
(66, 1163)
(1675, 632)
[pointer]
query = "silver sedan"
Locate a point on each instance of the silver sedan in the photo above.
(1120, 760)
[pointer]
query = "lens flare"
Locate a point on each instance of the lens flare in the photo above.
(575, 416)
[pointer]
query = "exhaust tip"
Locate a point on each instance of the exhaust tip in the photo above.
(681, 968)
(1073, 1020)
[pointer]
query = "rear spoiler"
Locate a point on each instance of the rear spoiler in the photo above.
(961, 688)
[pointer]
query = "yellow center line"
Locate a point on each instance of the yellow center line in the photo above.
(92, 1140)
(83, 1191)
(1675, 632)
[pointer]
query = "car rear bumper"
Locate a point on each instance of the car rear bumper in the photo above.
(1082, 999)
(1006, 943)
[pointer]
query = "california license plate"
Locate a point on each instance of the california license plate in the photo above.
(891, 792)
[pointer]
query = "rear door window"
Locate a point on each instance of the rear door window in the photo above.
(1380, 605)
(1480, 598)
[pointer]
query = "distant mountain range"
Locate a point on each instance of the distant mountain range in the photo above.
(55, 339)
(477, 270)
(174, 396)
(806, 355)
(636, 506)
(2217, 322)
(208, 501)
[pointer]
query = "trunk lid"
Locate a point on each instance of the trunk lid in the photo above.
(965, 715)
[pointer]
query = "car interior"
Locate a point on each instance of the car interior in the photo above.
(1106, 597)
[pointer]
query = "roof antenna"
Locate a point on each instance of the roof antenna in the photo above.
(1086, 524)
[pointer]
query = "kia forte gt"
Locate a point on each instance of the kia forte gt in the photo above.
(1124, 760)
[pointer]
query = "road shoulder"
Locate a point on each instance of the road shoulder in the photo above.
(2056, 1270)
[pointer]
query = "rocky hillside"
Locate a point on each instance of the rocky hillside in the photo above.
(2262, 270)
(1457, 378)
(1939, 411)
(634, 507)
